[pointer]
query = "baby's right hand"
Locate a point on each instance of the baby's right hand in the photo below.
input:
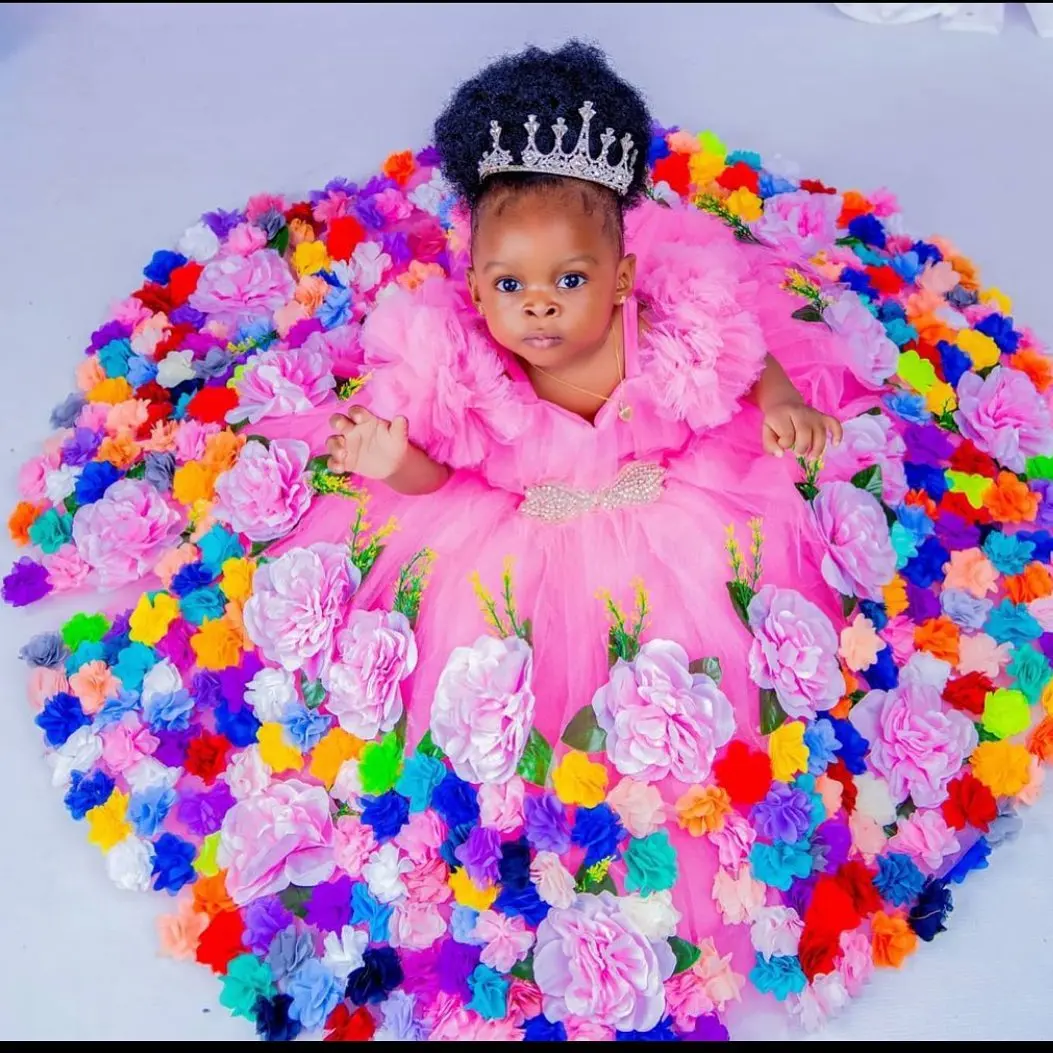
(366, 445)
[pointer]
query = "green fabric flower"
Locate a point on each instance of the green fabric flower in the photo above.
(206, 863)
(1006, 713)
(381, 765)
(650, 863)
(84, 628)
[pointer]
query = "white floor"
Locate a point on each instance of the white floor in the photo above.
(119, 124)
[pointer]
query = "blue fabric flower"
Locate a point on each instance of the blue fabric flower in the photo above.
(173, 863)
(238, 723)
(780, 975)
(1012, 623)
(315, 993)
(132, 665)
(190, 578)
(514, 865)
(1009, 554)
(898, 879)
(858, 281)
(928, 915)
(926, 568)
(541, 1029)
(875, 611)
(44, 651)
(202, 605)
(908, 407)
(489, 993)
(113, 709)
(288, 951)
(1001, 331)
(598, 830)
(365, 910)
(335, 309)
(380, 973)
(883, 675)
(927, 252)
(61, 716)
(305, 727)
(217, 546)
(852, 747)
(1043, 542)
(161, 265)
(974, 859)
(522, 902)
(386, 814)
(420, 776)
(746, 157)
(140, 371)
(148, 808)
(455, 801)
(821, 740)
(65, 414)
(657, 148)
(868, 229)
(907, 265)
(89, 651)
(956, 363)
(663, 1031)
(462, 925)
(455, 837)
(904, 544)
(86, 792)
(94, 481)
(273, 1023)
(777, 865)
(965, 609)
(769, 185)
(169, 712)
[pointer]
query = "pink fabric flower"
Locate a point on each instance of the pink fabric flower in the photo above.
(501, 805)
(353, 844)
(191, 438)
(638, 805)
(282, 382)
(733, 841)
(868, 440)
(869, 353)
(859, 557)
(375, 652)
(591, 962)
(776, 931)
(121, 535)
(794, 652)
(484, 708)
(298, 604)
(266, 493)
(917, 746)
(555, 883)
(660, 718)
(32, 477)
(506, 939)
(282, 837)
(45, 684)
(856, 964)
(524, 1001)
(800, 222)
(239, 289)
(126, 743)
(1005, 416)
(708, 986)
(416, 926)
(67, 569)
(927, 838)
(421, 837)
(821, 1000)
(428, 881)
(739, 895)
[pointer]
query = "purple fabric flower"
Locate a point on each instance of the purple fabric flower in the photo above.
(955, 533)
(80, 447)
(708, 1029)
(107, 333)
(221, 223)
(456, 962)
(1045, 643)
(480, 855)
(203, 812)
(800, 893)
(928, 444)
(206, 689)
(172, 746)
(175, 646)
(264, 919)
(428, 157)
(329, 907)
(377, 185)
(186, 315)
(784, 815)
(547, 828)
(232, 682)
(831, 844)
(859, 558)
(27, 583)
(119, 629)
(923, 603)
(298, 335)
(397, 247)
(965, 609)
(1044, 488)
(368, 214)
(421, 971)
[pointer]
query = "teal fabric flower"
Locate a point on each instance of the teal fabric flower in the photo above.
(489, 993)
(904, 544)
(420, 775)
(1009, 554)
(780, 975)
(1012, 623)
(650, 864)
(202, 605)
(132, 665)
(1031, 671)
(246, 979)
(217, 546)
(114, 358)
(89, 651)
(51, 531)
(778, 864)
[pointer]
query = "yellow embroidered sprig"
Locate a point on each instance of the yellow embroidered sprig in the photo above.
(488, 605)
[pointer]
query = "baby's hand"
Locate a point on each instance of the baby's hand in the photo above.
(366, 445)
(793, 425)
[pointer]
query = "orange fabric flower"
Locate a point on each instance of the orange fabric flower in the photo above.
(210, 895)
(895, 596)
(22, 518)
(853, 205)
(920, 499)
(842, 709)
(400, 167)
(1040, 741)
(892, 939)
(702, 811)
(221, 451)
(966, 272)
(1035, 365)
(1034, 584)
(122, 451)
(1011, 501)
(938, 636)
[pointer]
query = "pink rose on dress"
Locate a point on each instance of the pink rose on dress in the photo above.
(660, 718)
(868, 440)
(484, 708)
(916, 743)
(298, 604)
(266, 493)
(121, 535)
(591, 962)
(800, 222)
(238, 289)
(282, 382)
(281, 837)
(869, 353)
(794, 652)
(375, 652)
(1005, 416)
(859, 557)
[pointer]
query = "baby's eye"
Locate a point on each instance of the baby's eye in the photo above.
(508, 285)
(571, 281)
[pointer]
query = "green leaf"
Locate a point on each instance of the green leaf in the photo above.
(707, 667)
(313, 694)
(280, 241)
(318, 464)
(534, 765)
(985, 735)
(584, 882)
(741, 595)
(295, 899)
(259, 548)
(1040, 467)
(869, 479)
(686, 953)
(808, 313)
(137, 471)
(809, 491)
(524, 970)
(771, 713)
(848, 605)
(400, 732)
(906, 809)
(850, 242)
(71, 505)
(584, 733)
(427, 747)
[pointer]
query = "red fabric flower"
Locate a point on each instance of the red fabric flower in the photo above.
(818, 952)
(155, 297)
(183, 281)
(211, 405)
(155, 412)
(674, 170)
(302, 211)
(173, 341)
(968, 693)
(840, 773)
(345, 1026)
(221, 942)
(345, 232)
(969, 803)
(958, 504)
(400, 167)
(814, 186)
(206, 756)
(740, 175)
(153, 392)
(857, 881)
(744, 773)
(967, 458)
(885, 280)
(833, 907)
(930, 354)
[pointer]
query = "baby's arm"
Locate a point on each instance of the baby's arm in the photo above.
(373, 448)
(788, 421)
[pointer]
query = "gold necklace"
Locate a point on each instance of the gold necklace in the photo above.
(625, 411)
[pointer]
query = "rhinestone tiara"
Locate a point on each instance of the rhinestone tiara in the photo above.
(577, 164)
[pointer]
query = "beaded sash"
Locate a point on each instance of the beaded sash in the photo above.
(638, 483)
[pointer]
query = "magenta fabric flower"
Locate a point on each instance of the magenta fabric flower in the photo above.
(660, 718)
(266, 493)
(869, 352)
(484, 707)
(794, 652)
(799, 222)
(591, 962)
(298, 604)
(240, 289)
(859, 557)
(124, 533)
(277, 838)
(1005, 416)
(281, 382)
(916, 743)
(375, 652)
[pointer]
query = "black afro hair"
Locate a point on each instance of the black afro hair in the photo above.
(549, 84)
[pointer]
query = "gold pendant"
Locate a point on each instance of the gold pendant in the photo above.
(625, 412)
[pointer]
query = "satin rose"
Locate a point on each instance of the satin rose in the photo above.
(859, 556)
(241, 289)
(281, 383)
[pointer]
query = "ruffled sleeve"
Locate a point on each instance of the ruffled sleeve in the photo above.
(427, 360)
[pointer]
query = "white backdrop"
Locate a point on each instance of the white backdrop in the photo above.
(120, 124)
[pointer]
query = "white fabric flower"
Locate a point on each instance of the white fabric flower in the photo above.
(78, 753)
(130, 864)
(151, 774)
(162, 680)
(370, 262)
(269, 692)
(347, 786)
(199, 243)
(383, 874)
(654, 916)
(776, 931)
(343, 952)
(429, 196)
(175, 368)
(59, 483)
(874, 800)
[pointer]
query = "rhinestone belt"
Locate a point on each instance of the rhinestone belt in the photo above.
(638, 483)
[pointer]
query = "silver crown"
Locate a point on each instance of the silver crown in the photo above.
(578, 164)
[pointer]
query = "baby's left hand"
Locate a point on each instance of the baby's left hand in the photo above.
(793, 425)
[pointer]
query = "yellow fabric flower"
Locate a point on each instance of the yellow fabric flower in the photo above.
(895, 596)
(745, 204)
(1047, 698)
(941, 398)
(468, 894)
(107, 825)
(236, 583)
(713, 144)
(192, 482)
(979, 347)
(151, 618)
(217, 644)
(704, 167)
(999, 299)
(1003, 767)
(975, 487)
(789, 754)
(206, 863)
(1006, 713)
(275, 751)
(333, 749)
(310, 257)
(111, 391)
(578, 780)
(916, 371)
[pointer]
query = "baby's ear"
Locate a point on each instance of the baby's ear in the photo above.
(626, 278)
(473, 286)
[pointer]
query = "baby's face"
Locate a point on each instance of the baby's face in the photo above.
(547, 273)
